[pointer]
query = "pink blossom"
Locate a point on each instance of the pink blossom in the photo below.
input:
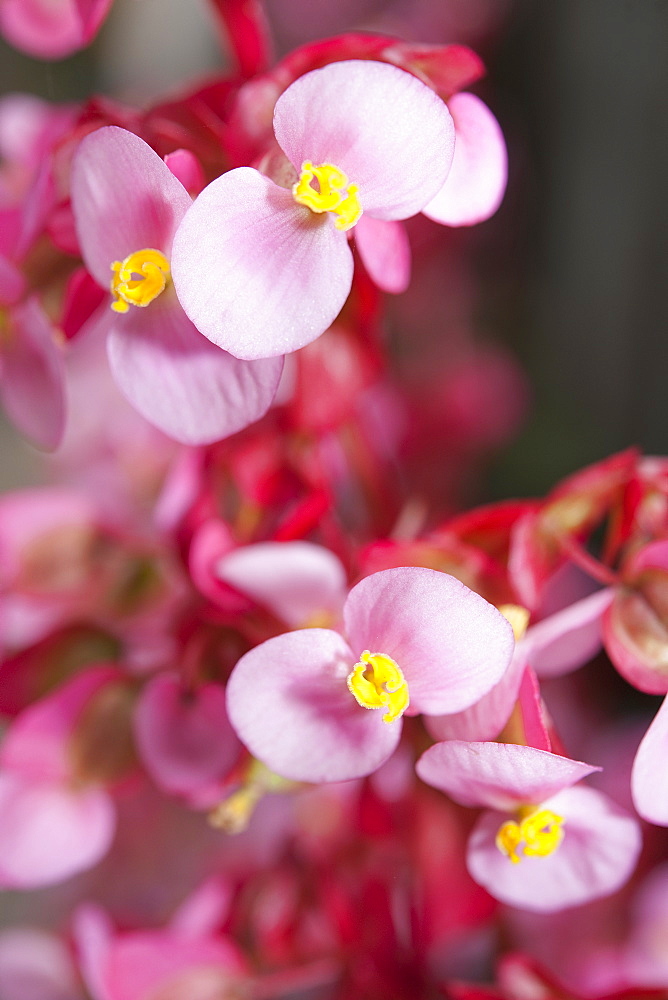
(263, 270)
(418, 641)
(541, 845)
(170, 373)
(52, 29)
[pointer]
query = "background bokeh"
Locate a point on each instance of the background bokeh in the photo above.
(572, 269)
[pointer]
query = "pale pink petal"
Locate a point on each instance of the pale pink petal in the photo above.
(179, 381)
(385, 252)
(649, 778)
(187, 168)
(569, 638)
(485, 719)
(389, 133)
(36, 965)
(498, 775)
(49, 833)
(297, 581)
(258, 274)
(183, 737)
(124, 197)
(477, 179)
(51, 29)
(32, 376)
(451, 645)
(289, 702)
(596, 857)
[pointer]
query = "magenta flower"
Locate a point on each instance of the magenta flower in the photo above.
(541, 845)
(418, 641)
(127, 205)
(263, 270)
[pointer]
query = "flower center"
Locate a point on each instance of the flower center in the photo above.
(540, 830)
(377, 682)
(139, 279)
(333, 193)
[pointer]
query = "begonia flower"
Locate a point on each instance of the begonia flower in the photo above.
(315, 707)
(175, 378)
(263, 270)
(542, 844)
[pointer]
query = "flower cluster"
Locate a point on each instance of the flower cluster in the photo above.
(279, 718)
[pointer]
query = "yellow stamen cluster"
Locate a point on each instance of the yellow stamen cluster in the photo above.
(139, 279)
(377, 682)
(540, 830)
(332, 194)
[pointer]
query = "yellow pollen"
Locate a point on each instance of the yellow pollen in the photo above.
(332, 194)
(541, 832)
(377, 682)
(139, 279)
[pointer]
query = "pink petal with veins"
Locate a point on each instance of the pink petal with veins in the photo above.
(183, 384)
(258, 274)
(498, 775)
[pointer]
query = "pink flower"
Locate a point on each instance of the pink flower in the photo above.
(541, 845)
(127, 204)
(51, 29)
(263, 270)
(418, 641)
